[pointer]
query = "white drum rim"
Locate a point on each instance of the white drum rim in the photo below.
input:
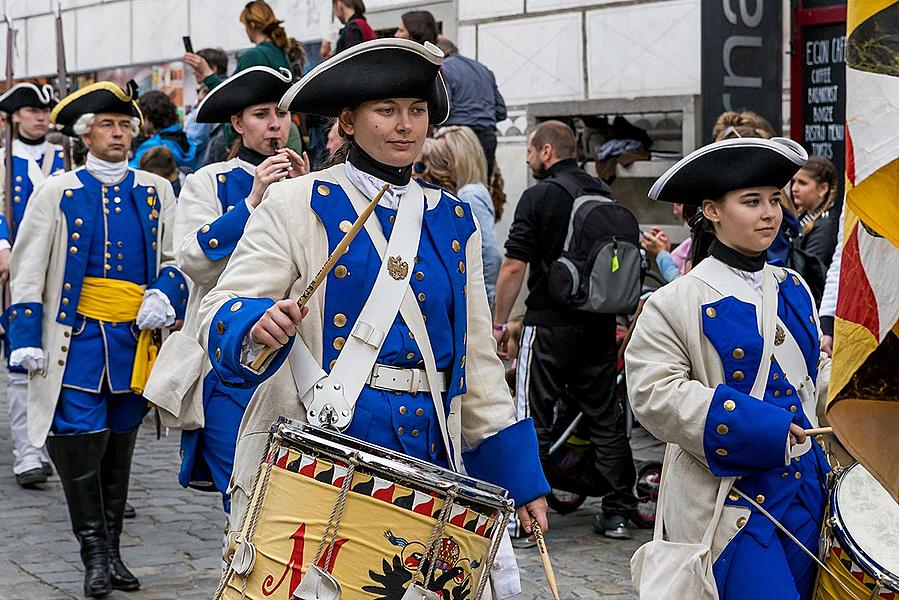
(850, 545)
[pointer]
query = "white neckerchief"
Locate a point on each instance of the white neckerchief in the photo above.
(106, 172)
(370, 185)
(29, 151)
(753, 278)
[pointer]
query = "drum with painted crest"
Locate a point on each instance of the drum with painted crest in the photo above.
(374, 519)
(861, 540)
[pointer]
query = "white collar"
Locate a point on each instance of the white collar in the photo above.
(370, 185)
(30, 151)
(104, 171)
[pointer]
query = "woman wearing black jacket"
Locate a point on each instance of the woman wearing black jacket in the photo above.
(813, 190)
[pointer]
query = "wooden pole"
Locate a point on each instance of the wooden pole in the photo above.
(326, 268)
(544, 556)
(62, 79)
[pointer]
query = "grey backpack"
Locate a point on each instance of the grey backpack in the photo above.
(600, 269)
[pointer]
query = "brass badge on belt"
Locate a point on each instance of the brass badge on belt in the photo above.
(397, 267)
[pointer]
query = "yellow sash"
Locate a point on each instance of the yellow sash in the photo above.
(117, 301)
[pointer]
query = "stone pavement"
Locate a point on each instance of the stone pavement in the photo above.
(174, 543)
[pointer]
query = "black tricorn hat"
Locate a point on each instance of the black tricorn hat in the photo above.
(256, 85)
(100, 97)
(733, 164)
(27, 94)
(373, 70)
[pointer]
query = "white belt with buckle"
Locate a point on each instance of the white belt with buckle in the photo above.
(395, 379)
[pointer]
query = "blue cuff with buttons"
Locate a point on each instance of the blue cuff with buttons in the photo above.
(510, 458)
(230, 326)
(743, 434)
(25, 325)
(219, 238)
(173, 284)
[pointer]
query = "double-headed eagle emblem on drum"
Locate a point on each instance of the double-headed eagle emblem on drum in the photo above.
(448, 574)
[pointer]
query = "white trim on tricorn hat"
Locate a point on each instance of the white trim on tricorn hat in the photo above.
(100, 97)
(255, 85)
(373, 70)
(27, 94)
(733, 164)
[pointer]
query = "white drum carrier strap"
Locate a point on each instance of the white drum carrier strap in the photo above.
(333, 398)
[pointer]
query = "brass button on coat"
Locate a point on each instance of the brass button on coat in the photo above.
(62, 315)
(798, 475)
(460, 212)
(721, 452)
(733, 496)
(339, 320)
(419, 276)
(421, 297)
(205, 229)
(323, 190)
(222, 179)
(729, 405)
(415, 433)
(213, 243)
(400, 430)
(340, 271)
(738, 353)
(420, 412)
(236, 306)
(220, 327)
(403, 410)
(738, 375)
(789, 392)
(218, 354)
(339, 342)
(461, 267)
(760, 499)
(345, 226)
(76, 236)
(79, 222)
(794, 408)
(722, 429)
(741, 522)
(456, 246)
(711, 312)
(410, 356)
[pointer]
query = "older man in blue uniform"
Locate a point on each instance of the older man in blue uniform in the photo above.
(92, 280)
(34, 159)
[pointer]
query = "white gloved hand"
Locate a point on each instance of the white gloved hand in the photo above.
(155, 311)
(29, 358)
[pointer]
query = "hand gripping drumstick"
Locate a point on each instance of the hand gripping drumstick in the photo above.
(819, 431)
(326, 268)
(544, 556)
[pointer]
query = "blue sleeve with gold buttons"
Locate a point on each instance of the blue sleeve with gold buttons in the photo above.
(230, 326)
(510, 459)
(219, 238)
(172, 283)
(744, 434)
(25, 327)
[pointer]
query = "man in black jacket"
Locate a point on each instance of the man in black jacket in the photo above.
(563, 353)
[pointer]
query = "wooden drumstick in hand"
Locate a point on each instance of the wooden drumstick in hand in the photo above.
(544, 556)
(819, 431)
(326, 268)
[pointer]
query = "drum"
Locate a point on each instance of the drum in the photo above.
(376, 520)
(861, 542)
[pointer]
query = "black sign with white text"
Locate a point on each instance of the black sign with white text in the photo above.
(823, 56)
(742, 56)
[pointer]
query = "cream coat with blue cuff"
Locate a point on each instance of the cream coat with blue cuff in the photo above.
(691, 364)
(288, 238)
(59, 240)
(211, 215)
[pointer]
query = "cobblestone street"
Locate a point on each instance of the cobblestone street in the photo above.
(174, 543)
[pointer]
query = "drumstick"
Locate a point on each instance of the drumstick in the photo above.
(326, 268)
(819, 431)
(544, 556)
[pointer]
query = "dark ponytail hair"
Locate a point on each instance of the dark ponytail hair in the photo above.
(702, 232)
(421, 26)
(259, 15)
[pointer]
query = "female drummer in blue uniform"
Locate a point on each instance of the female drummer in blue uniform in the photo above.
(699, 346)
(385, 94)
(212, 212)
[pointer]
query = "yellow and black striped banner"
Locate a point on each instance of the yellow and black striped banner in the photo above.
(863, 402)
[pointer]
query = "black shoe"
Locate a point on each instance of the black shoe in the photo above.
(77, 459)
(115, 472)
(47, 468)
(31, 478)
(611, 526)
(129, 513)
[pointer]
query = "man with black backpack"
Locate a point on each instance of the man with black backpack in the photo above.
(583, 252)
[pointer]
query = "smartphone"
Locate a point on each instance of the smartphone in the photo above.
(188, 46)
